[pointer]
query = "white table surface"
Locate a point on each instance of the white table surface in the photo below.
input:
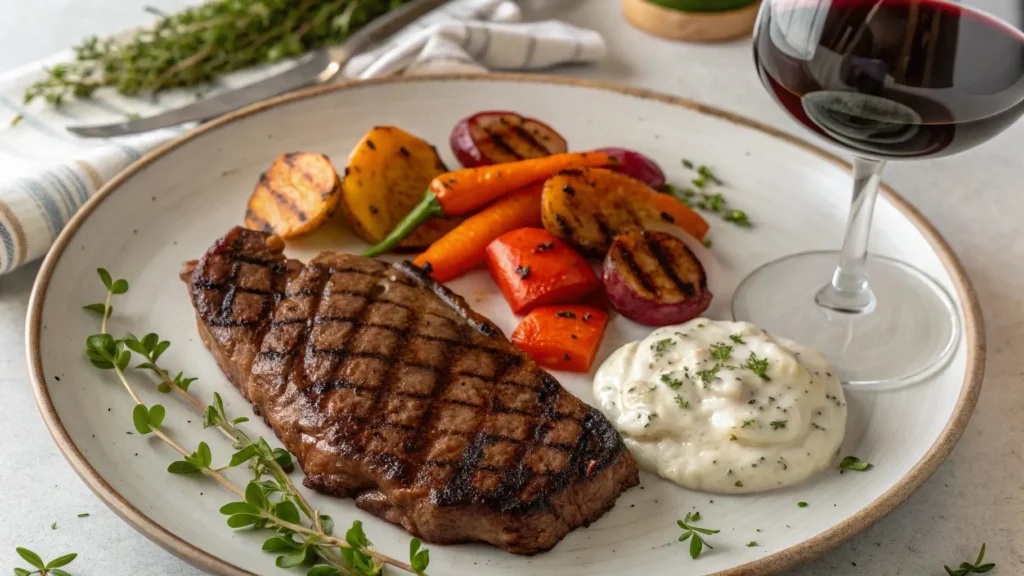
(976, 199)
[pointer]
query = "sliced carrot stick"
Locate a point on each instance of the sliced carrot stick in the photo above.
(465, 247)
(466, 190)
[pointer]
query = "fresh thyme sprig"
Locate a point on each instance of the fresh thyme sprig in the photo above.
(202, 43)
(693, 534)
(51, 568)
(273, 504)
(968, 568)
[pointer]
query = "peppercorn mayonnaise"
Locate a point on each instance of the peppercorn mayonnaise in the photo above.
(723, 406)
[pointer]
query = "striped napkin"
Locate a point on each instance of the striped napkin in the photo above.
(47, 173)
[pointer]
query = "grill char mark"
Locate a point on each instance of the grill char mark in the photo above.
(665, 264)
(627, 258)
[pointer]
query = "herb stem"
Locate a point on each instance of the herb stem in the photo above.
(335, 541)
(170, 442)
(106, 312)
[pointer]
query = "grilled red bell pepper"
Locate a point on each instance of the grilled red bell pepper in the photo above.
(562, 337)
(533, 268)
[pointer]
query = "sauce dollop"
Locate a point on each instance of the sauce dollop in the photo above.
(724, 406)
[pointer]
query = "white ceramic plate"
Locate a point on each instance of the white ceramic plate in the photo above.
(170, 206)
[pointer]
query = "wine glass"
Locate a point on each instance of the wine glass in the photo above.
(886, 80)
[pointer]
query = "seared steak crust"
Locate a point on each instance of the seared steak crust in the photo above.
(388, 388)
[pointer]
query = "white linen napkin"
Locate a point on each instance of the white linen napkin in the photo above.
(47, 173)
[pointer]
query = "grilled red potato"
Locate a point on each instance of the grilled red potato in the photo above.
(496, 137)
(637, 165)
(654, 279)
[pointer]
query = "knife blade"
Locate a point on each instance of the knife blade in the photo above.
(315, 68)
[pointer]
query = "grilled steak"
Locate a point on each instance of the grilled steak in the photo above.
(389, 389)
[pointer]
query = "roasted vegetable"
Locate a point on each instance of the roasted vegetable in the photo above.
(387, 173)
(654, 279)
(495, 137)
(297, 193)
(635, 164)
(587, 208)
(465, 247)
(464, 191)
(533, 268)
(562, 337)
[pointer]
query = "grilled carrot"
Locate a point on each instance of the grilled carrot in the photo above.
(466, 190)
(465, 247)
(463, 191)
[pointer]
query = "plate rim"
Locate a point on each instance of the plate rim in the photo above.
(781, 560)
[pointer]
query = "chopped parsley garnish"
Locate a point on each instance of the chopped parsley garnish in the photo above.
(705, 172)
(650, 417)
(802, 504)
(854, 463)
(720, 351)
(739, 484)
(661, 347)
(737, 217)
(757, 365)
(752, 543)
(706, 376)
(732, 437)
(748, 423)
(682, 403)
(672, 383)
(779, 424)
(687, 164)
(737, 338)
(707, 242)
(710, 202)
(565, 314)
(523, 271)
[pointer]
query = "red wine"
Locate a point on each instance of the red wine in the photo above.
(892, 78)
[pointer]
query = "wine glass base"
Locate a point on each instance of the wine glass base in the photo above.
(909, 333)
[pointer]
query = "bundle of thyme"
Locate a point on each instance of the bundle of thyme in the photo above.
(271, 501)
(202, 43)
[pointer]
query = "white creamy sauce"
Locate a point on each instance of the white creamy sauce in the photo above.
(723, 406)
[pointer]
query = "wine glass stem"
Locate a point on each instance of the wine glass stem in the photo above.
(849, 291)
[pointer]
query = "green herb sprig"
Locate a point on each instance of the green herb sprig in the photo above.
(270, 500)
(51, 568)
(968, 568)
(694, 534)
(197, 45)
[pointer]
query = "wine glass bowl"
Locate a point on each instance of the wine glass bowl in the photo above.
(885, 80)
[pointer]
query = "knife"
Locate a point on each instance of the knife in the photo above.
(316, 68)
